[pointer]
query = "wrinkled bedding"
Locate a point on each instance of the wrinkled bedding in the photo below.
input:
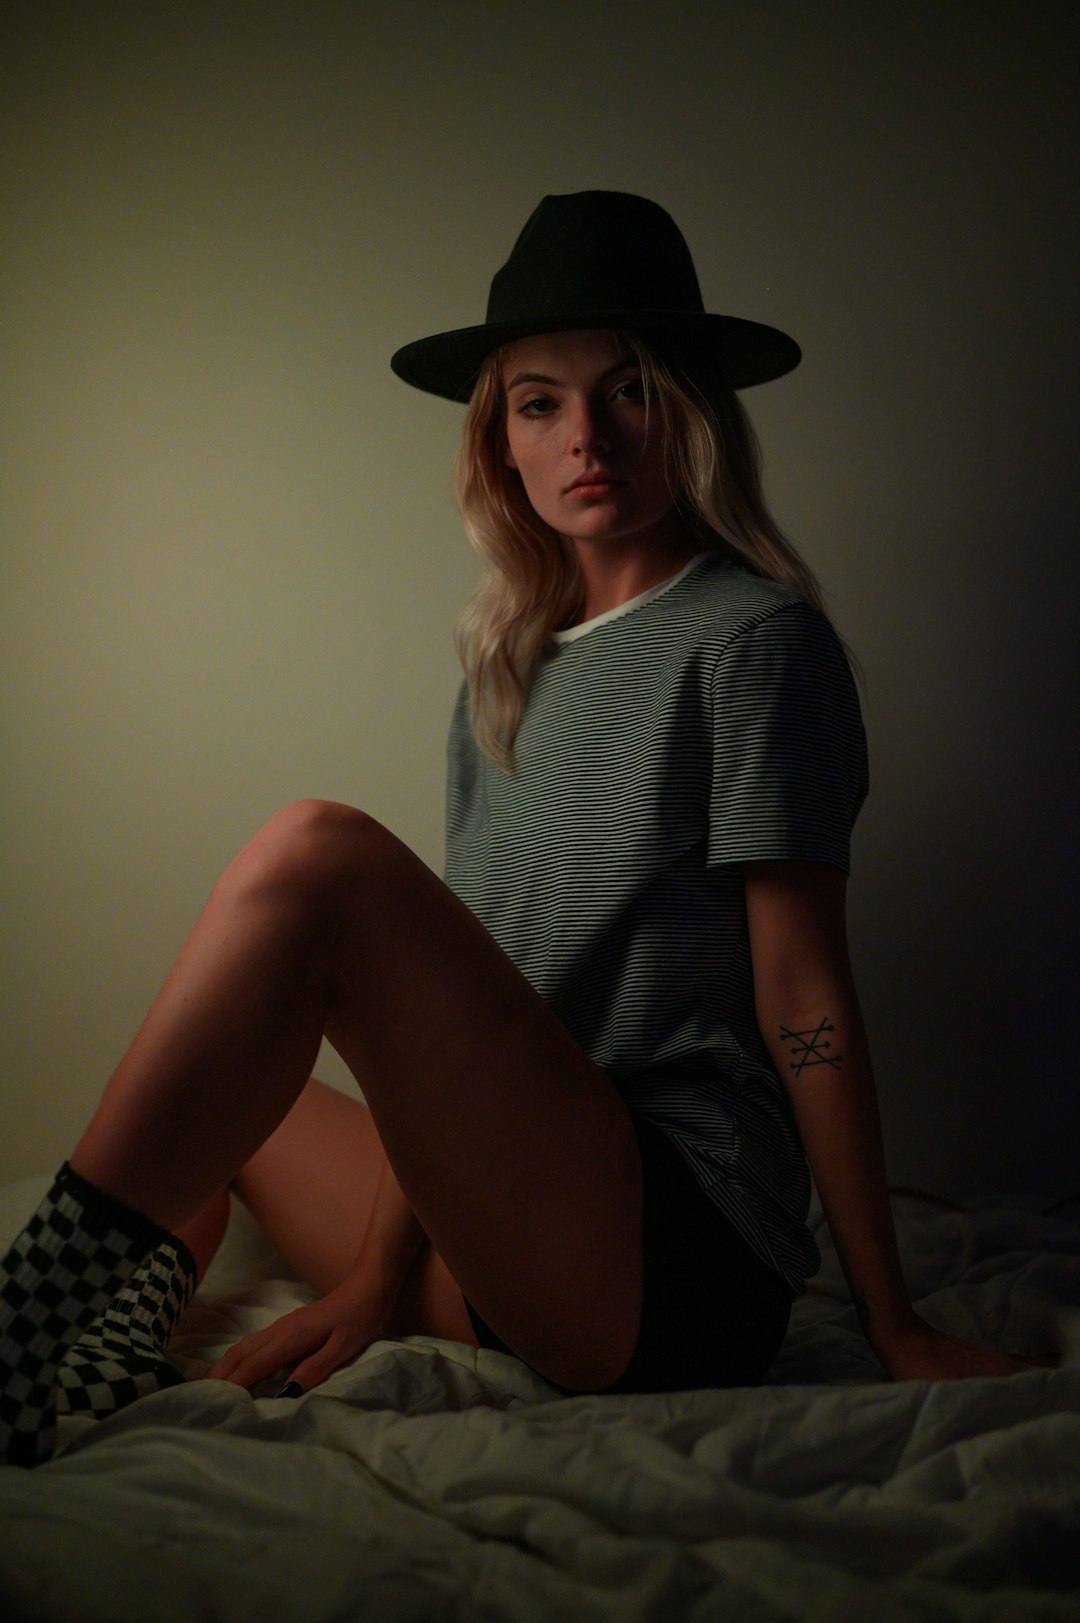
(433, 1481)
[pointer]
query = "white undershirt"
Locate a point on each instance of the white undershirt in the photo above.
(573, 632)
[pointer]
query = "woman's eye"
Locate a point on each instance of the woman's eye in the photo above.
(534, 407)
(631, 389)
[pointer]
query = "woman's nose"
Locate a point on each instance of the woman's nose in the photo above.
(588, 429)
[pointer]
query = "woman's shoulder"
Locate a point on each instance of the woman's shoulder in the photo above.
(731, 599)
(759, 631)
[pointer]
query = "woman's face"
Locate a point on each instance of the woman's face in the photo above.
(576, 412)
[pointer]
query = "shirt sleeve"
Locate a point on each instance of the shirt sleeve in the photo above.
(789, 771)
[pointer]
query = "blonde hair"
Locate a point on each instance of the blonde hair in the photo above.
(532, 585)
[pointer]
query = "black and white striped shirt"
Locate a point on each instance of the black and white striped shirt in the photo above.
(710, 722)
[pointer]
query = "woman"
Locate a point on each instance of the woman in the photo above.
(596, 1061)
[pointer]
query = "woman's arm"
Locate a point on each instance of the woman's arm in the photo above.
(809, 1016)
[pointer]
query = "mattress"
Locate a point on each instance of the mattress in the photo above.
(428, 1480)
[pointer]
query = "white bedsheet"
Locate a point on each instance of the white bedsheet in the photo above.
(429, 1481)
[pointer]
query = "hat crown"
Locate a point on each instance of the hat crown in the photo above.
(596, 260)
(606, 251)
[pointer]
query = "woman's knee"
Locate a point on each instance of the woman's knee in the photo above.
(306, 853)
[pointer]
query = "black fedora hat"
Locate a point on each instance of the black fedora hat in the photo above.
(595, 259)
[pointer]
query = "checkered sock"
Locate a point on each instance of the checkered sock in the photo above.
(63, 1270)
(121, 1356)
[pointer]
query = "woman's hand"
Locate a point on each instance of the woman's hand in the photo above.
(318, 1339)
(918, 1352)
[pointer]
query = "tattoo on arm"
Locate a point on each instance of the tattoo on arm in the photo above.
(809, 1047)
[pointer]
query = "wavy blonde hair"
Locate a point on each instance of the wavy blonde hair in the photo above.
(532, 584)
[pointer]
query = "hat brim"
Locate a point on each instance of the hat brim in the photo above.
(449, 363)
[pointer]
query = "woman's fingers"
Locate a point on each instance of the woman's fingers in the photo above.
(258, 1355)
(321, 1365)
(1021, 1364)
(315, 1340)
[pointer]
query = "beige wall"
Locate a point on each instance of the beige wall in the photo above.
(230, 561)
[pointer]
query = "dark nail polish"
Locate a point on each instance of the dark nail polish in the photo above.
(292, 1389)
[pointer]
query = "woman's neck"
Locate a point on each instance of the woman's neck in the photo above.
(613, 572)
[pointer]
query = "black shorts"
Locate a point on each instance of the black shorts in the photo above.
(712, 1313)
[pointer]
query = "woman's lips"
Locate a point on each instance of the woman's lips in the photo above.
(602, 487)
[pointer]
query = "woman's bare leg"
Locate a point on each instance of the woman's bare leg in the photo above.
(311, 1188)
(203, 1233)
(514, 1150)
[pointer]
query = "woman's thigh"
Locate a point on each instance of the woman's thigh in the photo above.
(311, 1187)
(515, 1151)
(712, 1313)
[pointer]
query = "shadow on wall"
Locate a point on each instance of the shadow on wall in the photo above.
(968, 885)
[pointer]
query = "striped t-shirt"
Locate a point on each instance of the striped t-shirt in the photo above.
(710, 722)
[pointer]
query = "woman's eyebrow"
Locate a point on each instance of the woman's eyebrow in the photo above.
(539, 377)
(532, 377)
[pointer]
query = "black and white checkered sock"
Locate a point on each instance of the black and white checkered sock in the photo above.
(61, 1272)
(121, 1356)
